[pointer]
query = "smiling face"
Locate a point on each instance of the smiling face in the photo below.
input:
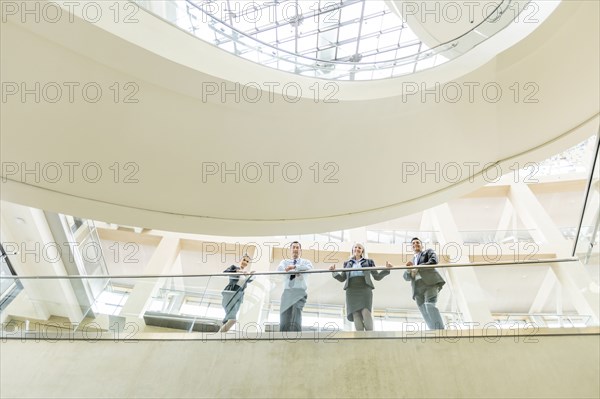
(416, 245)
(357, 251)
(245, 262)
(295, 247)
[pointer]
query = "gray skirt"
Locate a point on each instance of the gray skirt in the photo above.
(232, 300)
(358, 296)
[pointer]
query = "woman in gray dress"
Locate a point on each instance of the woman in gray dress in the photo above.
(359, 287)
(233, 293)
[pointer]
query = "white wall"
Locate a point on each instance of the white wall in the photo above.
(554, 366)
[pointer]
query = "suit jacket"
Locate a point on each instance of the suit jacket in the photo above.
(233, 280)
(377, 275)
(430, 276)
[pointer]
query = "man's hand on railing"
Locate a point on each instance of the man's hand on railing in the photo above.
(332, 267)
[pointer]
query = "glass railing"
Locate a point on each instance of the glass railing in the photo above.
(257, 41)
(586, 245)
(203, 303)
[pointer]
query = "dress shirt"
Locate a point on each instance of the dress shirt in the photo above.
(300, 279)
(416, 262)
(356, 265)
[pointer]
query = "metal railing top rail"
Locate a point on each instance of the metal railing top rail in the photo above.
(313, 271)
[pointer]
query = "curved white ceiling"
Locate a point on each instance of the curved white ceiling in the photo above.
(368, 141)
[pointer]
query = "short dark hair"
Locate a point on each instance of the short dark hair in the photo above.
(296, 242)
(415, 238)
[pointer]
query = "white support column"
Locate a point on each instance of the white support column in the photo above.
(38, 253)
(426, 223)
(505, 221)
(535, 217)
(544, 292)
(144, 289)
(573, 277)
(463, 281)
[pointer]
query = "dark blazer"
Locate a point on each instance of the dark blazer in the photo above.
(377, 275)
(233, 280)
(430, 276)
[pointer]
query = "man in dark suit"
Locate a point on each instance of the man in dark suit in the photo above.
(426, 283)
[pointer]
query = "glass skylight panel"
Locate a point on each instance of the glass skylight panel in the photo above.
(265, 37)
(352, 12)
(329, 16)
(347, 32)
(408, 37)
(366, 45)
(245, 26)
(403, 69)
(407, 51)
(346, 50)
(305, 44)
(390, 21)
(251, 55)
(305, 9)
(388, 40)
(285, 32)
(381, 74)
(358, 33)
(289, 46)
(371, 26)
(308, 26)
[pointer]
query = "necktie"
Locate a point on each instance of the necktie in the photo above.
(293, 276)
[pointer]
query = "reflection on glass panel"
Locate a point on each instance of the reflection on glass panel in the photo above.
(9, 287)
(111, 300)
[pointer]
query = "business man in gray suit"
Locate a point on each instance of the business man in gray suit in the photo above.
(426, 284)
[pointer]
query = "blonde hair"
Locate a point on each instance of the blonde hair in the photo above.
(364, 252)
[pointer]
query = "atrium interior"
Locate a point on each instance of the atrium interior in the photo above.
(148, 146)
